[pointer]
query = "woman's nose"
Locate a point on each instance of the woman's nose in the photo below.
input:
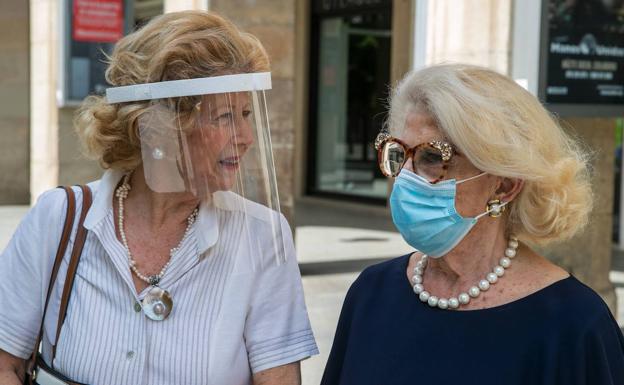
(243, 131)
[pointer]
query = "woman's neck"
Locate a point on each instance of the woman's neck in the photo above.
(158, 208)
(468, 262)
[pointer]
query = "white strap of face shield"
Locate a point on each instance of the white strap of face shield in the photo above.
(189, 87)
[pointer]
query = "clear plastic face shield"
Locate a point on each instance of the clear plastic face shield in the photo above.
(210, 137)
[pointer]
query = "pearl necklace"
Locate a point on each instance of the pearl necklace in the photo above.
(153, 280)
(463, 298)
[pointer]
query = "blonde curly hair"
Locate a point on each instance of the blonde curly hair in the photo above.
(504, 130)
(173, 46)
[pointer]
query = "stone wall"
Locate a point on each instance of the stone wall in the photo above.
(74, 168)
(15, 108)
(273, 23)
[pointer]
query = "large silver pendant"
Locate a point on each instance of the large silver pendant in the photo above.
(157, 304)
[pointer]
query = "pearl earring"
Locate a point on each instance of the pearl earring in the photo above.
(495, 208)
(157, 153)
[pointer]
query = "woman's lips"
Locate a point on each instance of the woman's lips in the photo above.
(231, 163)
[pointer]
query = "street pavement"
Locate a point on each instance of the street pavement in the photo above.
(331, 251)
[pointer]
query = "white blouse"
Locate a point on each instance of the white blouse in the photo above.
(236, 311)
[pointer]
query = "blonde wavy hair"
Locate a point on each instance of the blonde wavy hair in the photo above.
(504, 130)
(180, 45)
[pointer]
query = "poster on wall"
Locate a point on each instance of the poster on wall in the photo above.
(97, 21)
(92, 27)
(584, 52)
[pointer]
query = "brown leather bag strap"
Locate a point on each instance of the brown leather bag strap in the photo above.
(81, 236)
(60, 252)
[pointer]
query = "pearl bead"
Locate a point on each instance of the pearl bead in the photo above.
(463, 298)
(492, 278)
(159, 309)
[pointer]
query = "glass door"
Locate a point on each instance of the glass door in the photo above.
(350, 82)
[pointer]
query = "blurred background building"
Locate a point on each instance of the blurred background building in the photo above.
(333, 63)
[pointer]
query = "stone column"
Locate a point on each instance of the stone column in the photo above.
(475, 32)
(181, 5)
(44, 41)
(14, 109)
(273, 22)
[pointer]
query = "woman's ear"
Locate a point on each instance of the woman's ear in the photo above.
(509, 188)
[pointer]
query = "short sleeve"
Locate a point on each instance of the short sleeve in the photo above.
(277, 328)
(25, 266)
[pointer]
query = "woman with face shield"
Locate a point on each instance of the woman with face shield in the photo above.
(185, 271)
(482, 174)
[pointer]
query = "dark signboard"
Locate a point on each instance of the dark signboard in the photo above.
(584, 52)
(321, 6)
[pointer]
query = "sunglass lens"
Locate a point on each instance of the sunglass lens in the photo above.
(392, 158)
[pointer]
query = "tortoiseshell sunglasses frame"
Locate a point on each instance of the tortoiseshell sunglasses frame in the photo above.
(446, 151)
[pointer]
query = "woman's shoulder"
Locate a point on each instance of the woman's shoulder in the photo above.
(572, 305)
(381, 276)
(383, 270)
(47, 210)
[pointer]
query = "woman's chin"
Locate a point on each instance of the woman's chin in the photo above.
(206, 189)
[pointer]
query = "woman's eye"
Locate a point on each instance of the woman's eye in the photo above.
(224, 118)
(246, 113)
(431, 158)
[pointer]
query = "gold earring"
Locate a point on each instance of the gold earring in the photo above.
(495, 208)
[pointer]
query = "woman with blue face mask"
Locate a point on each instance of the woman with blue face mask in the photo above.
(481, 171)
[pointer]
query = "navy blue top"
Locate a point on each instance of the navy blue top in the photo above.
(563, 334)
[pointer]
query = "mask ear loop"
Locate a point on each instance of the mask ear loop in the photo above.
(471, 178)
(494, 207)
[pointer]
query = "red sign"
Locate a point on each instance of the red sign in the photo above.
(98, 21)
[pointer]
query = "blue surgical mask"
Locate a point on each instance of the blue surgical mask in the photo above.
(425, 214)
